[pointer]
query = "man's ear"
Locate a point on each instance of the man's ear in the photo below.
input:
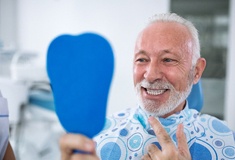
(199, 69)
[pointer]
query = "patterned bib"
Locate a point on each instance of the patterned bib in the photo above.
(127, 134)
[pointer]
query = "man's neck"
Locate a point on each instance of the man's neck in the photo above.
(177, 109)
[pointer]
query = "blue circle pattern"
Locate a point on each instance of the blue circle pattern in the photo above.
(200, 152)
(218, 143)
(113, 149)
(135, 142)
(219, 127)
(128, 134)
(124, 132)
(229, 152)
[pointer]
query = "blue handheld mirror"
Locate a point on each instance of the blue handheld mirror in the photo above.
(80, 69)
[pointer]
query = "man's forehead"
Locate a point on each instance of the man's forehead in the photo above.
(164, 33)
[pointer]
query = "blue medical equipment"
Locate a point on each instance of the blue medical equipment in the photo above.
(195, 98)
(80, 69)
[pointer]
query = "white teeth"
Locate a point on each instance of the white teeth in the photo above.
(155, 92)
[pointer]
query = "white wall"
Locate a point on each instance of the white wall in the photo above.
(8, 24)
(119, 21)
(230, 79)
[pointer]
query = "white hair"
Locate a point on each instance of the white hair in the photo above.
(172, 17)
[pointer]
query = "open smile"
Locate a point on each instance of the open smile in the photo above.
(155, 92)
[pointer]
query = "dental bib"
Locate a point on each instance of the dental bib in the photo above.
(127, 134)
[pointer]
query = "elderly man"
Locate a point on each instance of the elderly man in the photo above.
(166, 64)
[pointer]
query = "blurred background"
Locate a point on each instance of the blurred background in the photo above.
(28, 26)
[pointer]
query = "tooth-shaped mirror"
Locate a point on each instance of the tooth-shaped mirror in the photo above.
(80, 69)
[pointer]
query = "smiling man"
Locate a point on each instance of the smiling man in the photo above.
(163, 68)
(166, 64)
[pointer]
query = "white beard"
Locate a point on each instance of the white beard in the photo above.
(175, 99)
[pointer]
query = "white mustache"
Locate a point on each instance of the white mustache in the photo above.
(156, 85)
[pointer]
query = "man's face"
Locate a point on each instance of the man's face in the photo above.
(163, 72)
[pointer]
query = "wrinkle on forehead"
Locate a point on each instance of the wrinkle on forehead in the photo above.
(157, 35)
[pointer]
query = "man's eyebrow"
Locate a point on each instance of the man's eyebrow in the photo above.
(167, 51)
(141, 52)
(170, 51)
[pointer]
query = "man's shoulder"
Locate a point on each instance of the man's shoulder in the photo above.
(215, 125)
(209, 134)
(212, 120)
(207, 118)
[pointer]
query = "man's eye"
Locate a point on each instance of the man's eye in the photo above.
(141, 60)
(168, 60)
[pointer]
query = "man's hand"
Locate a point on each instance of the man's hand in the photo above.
(69, 143)
(169, 151)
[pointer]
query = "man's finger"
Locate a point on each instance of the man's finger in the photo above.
(70, 142)
(182, 141)
(145, 157)
(153, 151)
(83, 157)
(162, 136)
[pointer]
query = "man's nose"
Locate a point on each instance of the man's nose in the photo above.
(153, 72)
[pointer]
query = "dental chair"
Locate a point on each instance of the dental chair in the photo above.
(195, 98)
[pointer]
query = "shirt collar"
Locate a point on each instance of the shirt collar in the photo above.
(176, 118)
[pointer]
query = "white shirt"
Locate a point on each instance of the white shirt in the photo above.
(4, 126)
